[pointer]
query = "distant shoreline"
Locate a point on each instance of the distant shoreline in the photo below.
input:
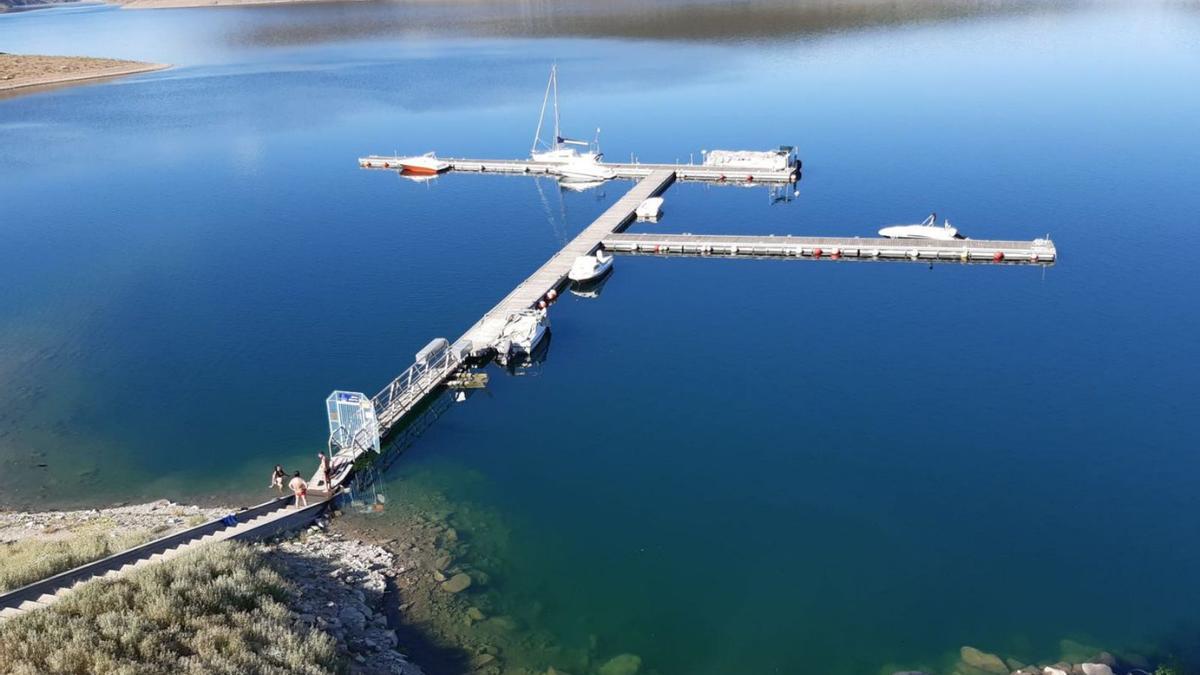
(180, 4)
(23, 72)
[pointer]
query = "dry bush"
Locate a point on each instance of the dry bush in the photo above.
(29, 560)
(218, 610)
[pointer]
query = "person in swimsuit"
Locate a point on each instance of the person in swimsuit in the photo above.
(277, 477)
(323, 470)
(300, 489)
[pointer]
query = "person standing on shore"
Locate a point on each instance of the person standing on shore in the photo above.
(277, 477)
(300, 489)
(323, 471)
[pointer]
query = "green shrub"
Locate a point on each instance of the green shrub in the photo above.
(217, 610)
(28, 560)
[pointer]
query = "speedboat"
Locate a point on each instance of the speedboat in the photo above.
(585, 167)
(423, 165)
(590, 267)
(521, 335)
(650, 209)
(928, 229)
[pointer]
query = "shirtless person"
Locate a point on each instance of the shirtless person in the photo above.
(277, 477)
(323, 471)
(300, 489)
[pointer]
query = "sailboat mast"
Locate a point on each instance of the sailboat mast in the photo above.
(537, 135)
(554, 79)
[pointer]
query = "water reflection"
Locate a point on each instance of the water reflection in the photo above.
(689, 20)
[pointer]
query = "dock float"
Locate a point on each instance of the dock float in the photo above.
(1038, 251)
(637, 170)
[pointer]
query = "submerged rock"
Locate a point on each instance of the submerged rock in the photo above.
(981, 661)
(457, 583)
(622, 664)
(1051, 670)
(1097, 669)
(475, 614)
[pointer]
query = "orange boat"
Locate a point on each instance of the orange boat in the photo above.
(424, 165)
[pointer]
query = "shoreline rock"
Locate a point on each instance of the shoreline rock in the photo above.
(341, 586)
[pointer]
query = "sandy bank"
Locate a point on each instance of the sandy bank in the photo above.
(25, 71)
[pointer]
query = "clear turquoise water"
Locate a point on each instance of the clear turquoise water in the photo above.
(724, 466)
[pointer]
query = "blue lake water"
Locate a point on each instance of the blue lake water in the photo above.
(723, 466)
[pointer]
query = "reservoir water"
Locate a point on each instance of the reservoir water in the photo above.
(723, 466)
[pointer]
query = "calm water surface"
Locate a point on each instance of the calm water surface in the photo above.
(724, 466)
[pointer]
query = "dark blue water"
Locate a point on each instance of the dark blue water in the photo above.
(724, 466)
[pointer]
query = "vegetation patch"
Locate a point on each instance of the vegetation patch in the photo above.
(220, 609)
(26, 561)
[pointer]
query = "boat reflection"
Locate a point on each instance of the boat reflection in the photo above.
(416, 177)
(576, 185)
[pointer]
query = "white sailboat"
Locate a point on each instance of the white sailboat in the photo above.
(570, 162)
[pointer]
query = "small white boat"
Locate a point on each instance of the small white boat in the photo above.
(586, 167)
(521, 335)
(423, 165)
(590, 267)
(650, 209)
(928, 229)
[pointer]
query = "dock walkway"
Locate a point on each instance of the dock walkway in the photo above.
(1038, 251)
(697, 172)
(405, 393)
(553, 274)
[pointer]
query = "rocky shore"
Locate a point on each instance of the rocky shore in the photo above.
(342, 585)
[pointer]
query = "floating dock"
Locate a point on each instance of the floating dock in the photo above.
(441, 360)
(1038, 251)
(696, 172)
(405, 393)
(553, 274)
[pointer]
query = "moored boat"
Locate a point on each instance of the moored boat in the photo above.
(927, 229)
(585, 167)
(650, 209)
(561, 150)
(521, 335)
(423, 165)
(590, 267)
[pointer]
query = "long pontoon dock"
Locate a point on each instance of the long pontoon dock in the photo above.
(1038, 251)
(637, 170)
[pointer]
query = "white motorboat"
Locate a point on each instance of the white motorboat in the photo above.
(585, 167)
(928, 229)
(423, 165)
(521, 335)
(650, 209)
(590, 267)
